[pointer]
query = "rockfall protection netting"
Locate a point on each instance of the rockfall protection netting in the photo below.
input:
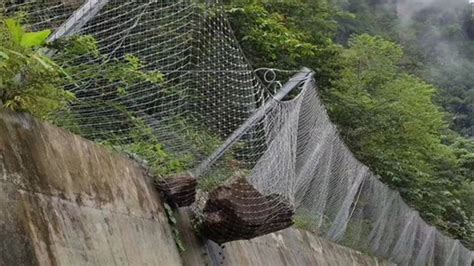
(293, 155)
(207, 87)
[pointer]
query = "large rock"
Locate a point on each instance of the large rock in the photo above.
(180, 190)
(239, 211)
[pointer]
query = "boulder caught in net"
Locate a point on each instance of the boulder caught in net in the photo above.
(180, 190)
(238, 211)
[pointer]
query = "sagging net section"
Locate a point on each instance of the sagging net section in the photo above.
(339, 197)
(166, 82)
(307, 164)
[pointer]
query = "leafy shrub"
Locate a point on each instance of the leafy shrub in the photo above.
(142, 142)
(101, 69)
(30, 82)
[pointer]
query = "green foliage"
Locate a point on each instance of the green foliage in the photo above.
(25, 39)
(305, 222)
(433, 167)
(142, 142)
(227, 169)
(318, 224)
(383, 111)
(121, 73)
(386, 113)
(30, 82)
(214, 179)
(288, 34)
(198, 138)
(33, 83)
(391, 123)
(268, 36)
(376, 17)
(355, 232)
(174, 228)
(437, 37)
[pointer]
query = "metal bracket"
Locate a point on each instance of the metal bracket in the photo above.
(292, 83)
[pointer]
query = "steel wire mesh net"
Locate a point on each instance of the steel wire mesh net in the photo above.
(166, 82)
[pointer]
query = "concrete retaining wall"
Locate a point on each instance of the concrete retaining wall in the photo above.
(67, 201)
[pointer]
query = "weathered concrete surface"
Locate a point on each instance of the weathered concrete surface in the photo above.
(67, 201)
(291, 247)
(286, 247)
